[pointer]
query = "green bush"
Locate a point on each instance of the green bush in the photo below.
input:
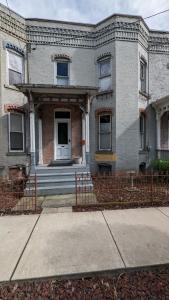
(160, 165)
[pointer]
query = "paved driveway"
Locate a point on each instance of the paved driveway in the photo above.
(76, 243)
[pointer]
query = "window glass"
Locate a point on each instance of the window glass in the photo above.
(62, 133)
(16, 132)
(142, 132)
(105, 83)
(105, 68)
(105, 75)
(62, 69)
(16, 122)
(15, 67)
(105, 132)
(16, 141)
(62, 81)
(15, 62)
(143, 70)
(62, 114)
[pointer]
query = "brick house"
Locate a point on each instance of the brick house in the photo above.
(76, 96)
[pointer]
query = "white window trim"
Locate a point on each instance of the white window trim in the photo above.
(100, 115)
(55, 70)
(23, 132)
(7, 65)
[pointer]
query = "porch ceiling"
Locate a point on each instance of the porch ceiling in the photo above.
(41, 89)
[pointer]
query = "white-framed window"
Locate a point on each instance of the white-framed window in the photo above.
(143, 75)
(105, 131)
(142, 131)
(62, 72)
(16, 132)
(15, 67)
(104, 70)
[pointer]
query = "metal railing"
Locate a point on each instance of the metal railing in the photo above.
(119, 189)
(18, 196)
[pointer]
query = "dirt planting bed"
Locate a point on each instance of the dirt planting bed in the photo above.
(141, 285)
(116, 192)
(12, 199)
(124, 189)
(121, 205)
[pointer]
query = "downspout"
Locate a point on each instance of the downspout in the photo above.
(148, 103)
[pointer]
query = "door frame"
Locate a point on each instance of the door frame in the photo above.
(55, 131)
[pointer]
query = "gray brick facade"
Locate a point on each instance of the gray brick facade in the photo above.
(121, 38)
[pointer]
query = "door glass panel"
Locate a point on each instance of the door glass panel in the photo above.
(62, 133)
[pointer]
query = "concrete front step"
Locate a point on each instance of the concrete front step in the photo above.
(55, 190)
(59, 170)
(58, 180)
(55, 182)
(64, 176)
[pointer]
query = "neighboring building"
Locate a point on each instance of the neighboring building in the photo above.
(92, 93)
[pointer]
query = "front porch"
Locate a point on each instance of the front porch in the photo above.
(59, 122)
(59, 135)
(162, 127)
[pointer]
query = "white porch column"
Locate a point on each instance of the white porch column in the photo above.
(158, 122)
(87, 131)
(84, 138)
(32, 135)
(40, 142)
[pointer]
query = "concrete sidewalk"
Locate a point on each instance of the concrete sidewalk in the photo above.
(76, 243)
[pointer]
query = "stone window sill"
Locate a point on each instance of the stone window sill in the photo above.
(147, 96)
(104, 92)
(11, 87)
(16, 154)
(142, 151)
(104, 152)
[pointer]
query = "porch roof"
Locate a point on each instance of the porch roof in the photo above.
(161, 101)
(57, 89)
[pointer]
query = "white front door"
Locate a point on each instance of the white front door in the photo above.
(63, 139)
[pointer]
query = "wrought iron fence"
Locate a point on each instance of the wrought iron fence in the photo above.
(18, 196)
(119, 189)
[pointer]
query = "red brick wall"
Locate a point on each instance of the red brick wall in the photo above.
(47, 114)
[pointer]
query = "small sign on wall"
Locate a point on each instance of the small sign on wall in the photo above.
(105, 157)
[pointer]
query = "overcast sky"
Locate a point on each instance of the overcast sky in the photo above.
(92, 11)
